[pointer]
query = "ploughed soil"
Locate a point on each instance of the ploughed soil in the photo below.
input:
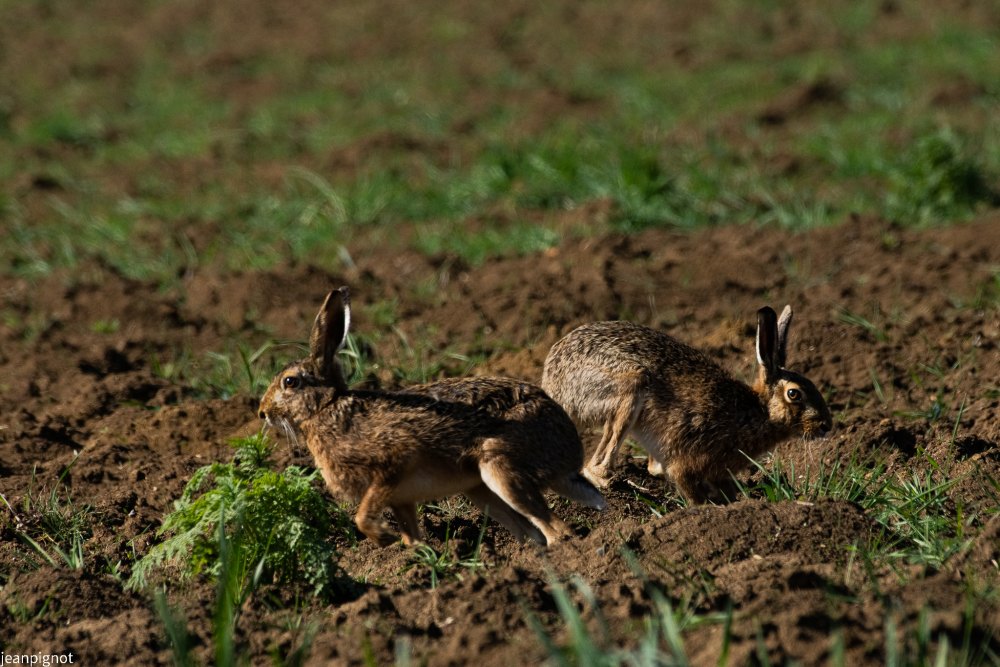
(900, 328)
(786, 573)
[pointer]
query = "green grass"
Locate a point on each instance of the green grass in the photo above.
(447, 563)
(52, 527)
(922, 525)
(936, 181)
(875, 331)
(240, 370)
(660, 642)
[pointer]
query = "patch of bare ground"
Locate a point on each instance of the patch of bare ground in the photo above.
(783, 571)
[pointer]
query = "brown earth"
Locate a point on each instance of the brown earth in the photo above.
(73, 388)
(784, 568)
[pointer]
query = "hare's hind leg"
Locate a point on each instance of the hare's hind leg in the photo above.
(622, 419)
(576, 487)
(524, 496)
(688, 483)
(493, 506)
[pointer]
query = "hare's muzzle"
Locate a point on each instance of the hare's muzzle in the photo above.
(821, 429)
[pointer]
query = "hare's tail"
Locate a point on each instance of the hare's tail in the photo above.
(576, 487)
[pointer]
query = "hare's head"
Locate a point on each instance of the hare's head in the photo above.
(792, 399)
(291, 396)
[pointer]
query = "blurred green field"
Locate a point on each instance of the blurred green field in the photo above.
(162, 137)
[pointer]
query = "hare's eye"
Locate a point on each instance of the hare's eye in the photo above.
(291, 382)
(794, 395)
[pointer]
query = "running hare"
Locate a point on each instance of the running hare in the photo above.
(692, 417)
(499, 441)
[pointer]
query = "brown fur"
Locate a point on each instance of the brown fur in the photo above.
(697, 423)
(499, 441)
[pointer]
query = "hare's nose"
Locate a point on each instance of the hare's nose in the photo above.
(262, 414)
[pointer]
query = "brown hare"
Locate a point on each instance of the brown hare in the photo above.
(498, 441)
(696, 422)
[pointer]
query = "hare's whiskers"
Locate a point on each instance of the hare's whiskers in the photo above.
(290, 435)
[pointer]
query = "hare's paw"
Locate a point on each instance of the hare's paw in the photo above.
(655, 468)
(598, 476)
(376, 531)
(382, 535)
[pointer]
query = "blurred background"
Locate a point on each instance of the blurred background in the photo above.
(163, 136)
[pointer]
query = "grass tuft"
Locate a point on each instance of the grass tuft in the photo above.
(447, 563)
(51, 524)
(922, 524)
(938, 179)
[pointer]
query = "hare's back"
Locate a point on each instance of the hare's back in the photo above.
(403, 424)
(495, 395)
(532, 426)
(625, 347)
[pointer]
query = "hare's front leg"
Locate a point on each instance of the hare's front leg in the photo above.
(406, 516)
(369, 516)
(616, 429)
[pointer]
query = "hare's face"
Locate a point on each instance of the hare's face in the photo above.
(795, 402)
(290, 398)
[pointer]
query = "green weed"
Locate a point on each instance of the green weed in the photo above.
(478, 246)
(921, 646)
(23, 613)
(285, 522)
(239, 577)
(106, 326)
(986, 295)
(225, 374)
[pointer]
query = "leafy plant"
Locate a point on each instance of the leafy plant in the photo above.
(238, 579)
(284, 522)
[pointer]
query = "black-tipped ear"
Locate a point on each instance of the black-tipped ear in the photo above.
(767, 341)
(329, 333)
(784, 322)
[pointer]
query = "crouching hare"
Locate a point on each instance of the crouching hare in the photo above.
(498, 441)
(697, 423)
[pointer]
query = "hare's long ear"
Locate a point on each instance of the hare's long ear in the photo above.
(784, 322)
(329, 333)
(767, 342)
